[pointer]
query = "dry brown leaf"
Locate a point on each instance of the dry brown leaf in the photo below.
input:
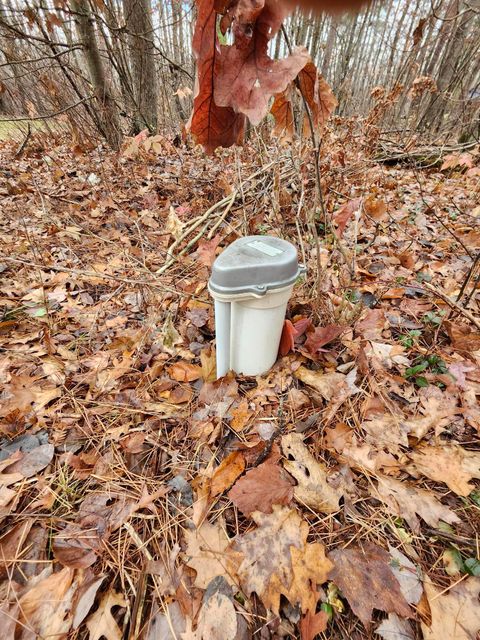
(241, 416)
(11, 545)
(327, 384)
(206, 552)
(313, 487)
(99, 514)
(32, 462)
(167, 622)
(227, 472)
(455, 614)
(450, 464)
(185, 372)
(372, 324)
(174, 225)
(85, 597)
(405, 500)
(209, 364)
(270, 569)
(462, 337)
(102, 624)
(217, 619)
(376, 209)
(394, 628)
(46, 607)
(365, 578)
(408, 576)
(312, 625)
(262, 487)
(167, 577)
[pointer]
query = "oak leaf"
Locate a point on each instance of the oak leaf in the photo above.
(270, 569)
(260, 488)
(313, 488)
(462, 337)
(206, 552)
(407, 501)
(454, 612)
(327, 384)
(365, 578)
(102, 624)
(343, 215)
(206, 250)
(450, 464)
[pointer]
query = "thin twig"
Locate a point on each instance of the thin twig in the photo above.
(451, 303)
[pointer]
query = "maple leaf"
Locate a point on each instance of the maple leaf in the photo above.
(277, 560)
(365, 578)
(260, 488)
(248, 77)
(211, 125)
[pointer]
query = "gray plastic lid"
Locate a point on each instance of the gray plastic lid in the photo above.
(256, 265)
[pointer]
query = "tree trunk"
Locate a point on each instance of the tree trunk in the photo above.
(140, 37)
(108, 116)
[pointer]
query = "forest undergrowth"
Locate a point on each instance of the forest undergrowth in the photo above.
(338, 495)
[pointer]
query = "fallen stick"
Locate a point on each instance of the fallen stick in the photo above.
(454, 305)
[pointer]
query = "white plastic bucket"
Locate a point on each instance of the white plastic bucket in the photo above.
(251, 283)
(248, 331)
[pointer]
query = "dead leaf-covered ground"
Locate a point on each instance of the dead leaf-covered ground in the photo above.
(335, 496)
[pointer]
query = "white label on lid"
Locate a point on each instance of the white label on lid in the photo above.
(265, 248)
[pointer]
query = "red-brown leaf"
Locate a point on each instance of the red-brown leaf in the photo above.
(302, 325)
(343, 215)
(287, 341)
(322, 336)
(317, 94)
(248, 77)
(262, 487)
(211, 125)
(311, 625)
(366, 579)
(206, 250)
(282, 111)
